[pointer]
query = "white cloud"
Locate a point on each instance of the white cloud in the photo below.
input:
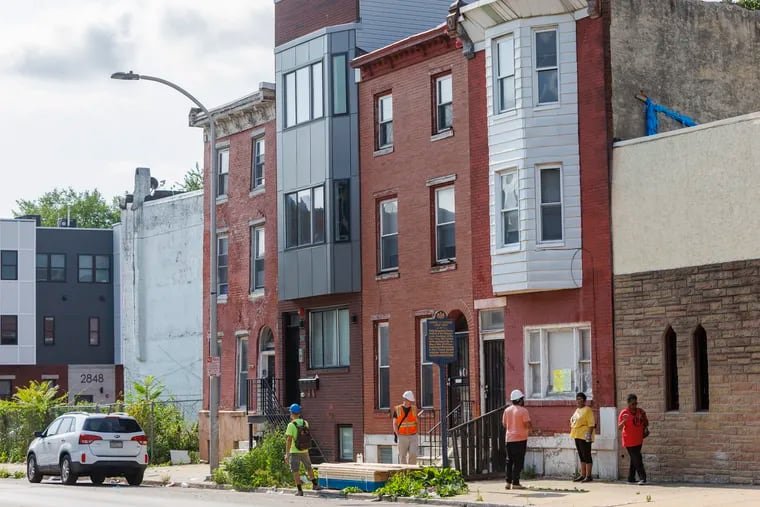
(65, 123)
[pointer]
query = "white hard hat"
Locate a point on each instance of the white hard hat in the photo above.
(516, 395)
(408, 395)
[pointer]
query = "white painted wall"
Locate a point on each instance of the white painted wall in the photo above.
(687, 197)
(18, 297)
(525, 139)
(161, 266)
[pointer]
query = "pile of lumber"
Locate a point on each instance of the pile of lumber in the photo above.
(366, 476)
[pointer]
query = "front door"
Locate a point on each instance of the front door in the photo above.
(459, 376)
(493, 374)
(291, 363)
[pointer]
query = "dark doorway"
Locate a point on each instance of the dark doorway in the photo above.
(291, 366)
(459, 376)
(493, 359)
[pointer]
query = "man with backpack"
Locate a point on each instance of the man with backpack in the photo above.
(297, 444)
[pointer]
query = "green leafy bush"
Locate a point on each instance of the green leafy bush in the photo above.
(262, 466)
(430, 481)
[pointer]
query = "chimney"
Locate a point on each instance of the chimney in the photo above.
(142, 186)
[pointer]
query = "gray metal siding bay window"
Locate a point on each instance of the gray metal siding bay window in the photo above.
(305, 217)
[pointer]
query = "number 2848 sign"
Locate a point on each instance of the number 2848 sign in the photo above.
(91, 378)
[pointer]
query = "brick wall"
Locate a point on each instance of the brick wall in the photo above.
(294, 18)
(721, 444)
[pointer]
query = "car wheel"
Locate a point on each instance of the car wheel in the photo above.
(67, 476)
(32, 472)
(135, 478)
(97, 479)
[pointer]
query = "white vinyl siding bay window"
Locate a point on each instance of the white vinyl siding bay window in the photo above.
(504, 70)
(550, 185)
(558, 361)
(329, 339)
(509, 199)
(547, 66)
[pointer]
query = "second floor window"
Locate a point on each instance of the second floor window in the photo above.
(551, 204)
(547, 67)
(342, 211)
(510, 213)
(8, 330)
(444, 108)
(222, 282)
(224, 172)
(8, 265)
(305, 217)
(94, 269)
(51, 267)
(329, 339)
(504, 93)
(303, 95)
(257, 173)
(94, 331)
(385, 121)
(389, 235)
(445, 242)
(48, 330)
(257, 258)
(340, 84)
(242, 373)
(6, 389)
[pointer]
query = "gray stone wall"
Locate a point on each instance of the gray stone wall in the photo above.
(720, 445)
(701, 59)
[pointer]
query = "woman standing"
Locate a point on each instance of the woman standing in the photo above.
(582, 425)
(634, 425)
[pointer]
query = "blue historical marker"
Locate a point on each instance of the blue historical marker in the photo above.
(440, 349)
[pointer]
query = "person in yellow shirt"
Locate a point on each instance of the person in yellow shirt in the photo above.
(582, 425)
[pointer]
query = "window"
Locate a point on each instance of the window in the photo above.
(383, 367)
(342, 212)
(558, 362)
(305, 217)
(303, 94)
(701, 377)
(346, 442)
(385, 121)
(8, 265)
(671, 370)
(222, 281)
(257, 258)
(51, 267)
(48, 330)
(223, 171)
(444, 109)
(242, 375)
(444, 225)
(510, 208)
(547, 69)
(385, 454)
(257, 174)
(8, 330)
(426, 369)
(551, 204)
(6, 388)
(94, 269)
(504, 92)
(389, 235)
(340, 84)
(329, 345)
(94, 331)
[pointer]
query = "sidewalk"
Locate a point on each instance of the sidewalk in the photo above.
(492, 493)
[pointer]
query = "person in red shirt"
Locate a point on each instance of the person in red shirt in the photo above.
(634, 425)
(516, 421)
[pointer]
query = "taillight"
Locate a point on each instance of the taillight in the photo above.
(85, 439)
(84, 458)
(142, 439)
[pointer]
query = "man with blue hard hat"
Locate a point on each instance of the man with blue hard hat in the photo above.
(297, 444)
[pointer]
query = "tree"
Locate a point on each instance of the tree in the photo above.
(89, 208)
(193, 180)
(753, 5)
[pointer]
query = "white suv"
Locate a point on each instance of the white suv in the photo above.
(96, 445)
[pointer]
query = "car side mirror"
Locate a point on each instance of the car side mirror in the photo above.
(38, 434)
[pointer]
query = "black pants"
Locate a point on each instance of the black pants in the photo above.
(584, 450)
(637, 464)
(515, 460)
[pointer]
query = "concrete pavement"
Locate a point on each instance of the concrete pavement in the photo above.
(492, 493)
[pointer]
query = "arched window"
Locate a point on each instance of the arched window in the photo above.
(671, 370)
(701, 376)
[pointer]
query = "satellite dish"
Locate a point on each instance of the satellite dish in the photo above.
(153, 183)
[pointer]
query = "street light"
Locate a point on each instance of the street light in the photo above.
(213, 398)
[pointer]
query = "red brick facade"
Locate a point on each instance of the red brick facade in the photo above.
(291, 21)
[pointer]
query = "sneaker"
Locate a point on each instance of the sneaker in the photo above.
(517, 485)
(508, 485)
(299, 492)
(587, 479)
(579, 479)
(642, 482)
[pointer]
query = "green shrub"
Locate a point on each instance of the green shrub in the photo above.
(18, 474)
(430, 481)
(220, 475)
(4, 474)
(262, 466)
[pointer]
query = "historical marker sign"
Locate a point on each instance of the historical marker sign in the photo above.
(439, 339)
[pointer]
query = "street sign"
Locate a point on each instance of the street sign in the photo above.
(439, 339)
(214, 366)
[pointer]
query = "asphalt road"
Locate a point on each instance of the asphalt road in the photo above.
(20, 493)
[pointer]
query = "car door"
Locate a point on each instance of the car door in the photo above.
(48, 446)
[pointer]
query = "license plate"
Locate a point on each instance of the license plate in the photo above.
(117, 444)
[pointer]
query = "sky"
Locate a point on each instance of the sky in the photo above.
(65, 123)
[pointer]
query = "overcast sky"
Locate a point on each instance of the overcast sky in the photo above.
(65, 123)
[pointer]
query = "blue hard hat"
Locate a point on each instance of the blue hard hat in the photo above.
(295, 408)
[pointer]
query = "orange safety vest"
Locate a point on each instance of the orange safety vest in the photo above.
(409, 425)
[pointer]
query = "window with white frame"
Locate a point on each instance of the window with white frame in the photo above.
(510, 208)
(241, 397)
(551, 203)
(222, 282)
(558, 361)
(504, 93)
(346, 441)
(444, 107)
(305, 217)
(383, 366)
(385, 121)
(445, 239)
(303, 95)
(223, 172)
(426, 369)
(547, 66)
(257, 258)
(329, 339)
(389, 235)
(257, 173)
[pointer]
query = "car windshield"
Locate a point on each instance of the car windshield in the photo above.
(112, 425)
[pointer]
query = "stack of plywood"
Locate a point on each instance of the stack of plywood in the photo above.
(366, 476)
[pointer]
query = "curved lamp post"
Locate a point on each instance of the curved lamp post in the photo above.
(213, 398)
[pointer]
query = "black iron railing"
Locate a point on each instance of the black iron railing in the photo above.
(264, 395)
(479, 447)
(431, 444)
